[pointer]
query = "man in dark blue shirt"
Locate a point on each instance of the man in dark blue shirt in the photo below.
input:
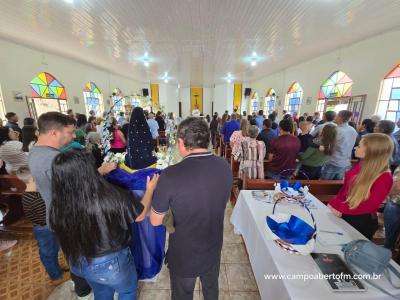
(267, 135)
(229, 128)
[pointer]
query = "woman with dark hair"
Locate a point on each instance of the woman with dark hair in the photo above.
(118, 141)
(318, 153)
(160, 121)
(29, 134)
(91, 125)
(11, 150)
(91, 219)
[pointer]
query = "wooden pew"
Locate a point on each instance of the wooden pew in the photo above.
(324, 190)
(11, 189)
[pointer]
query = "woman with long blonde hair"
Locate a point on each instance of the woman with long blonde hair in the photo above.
(238, 136)
(366, 185)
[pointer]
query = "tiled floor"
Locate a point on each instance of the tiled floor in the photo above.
(23, 277)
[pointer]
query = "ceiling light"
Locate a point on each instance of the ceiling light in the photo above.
(253, 63)
(254, 54)
(179, 86)
(146, 54)
(69, 1)
(146, 63)
(166, 80)
(229, 80)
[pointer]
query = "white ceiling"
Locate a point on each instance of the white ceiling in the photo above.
(197, 41)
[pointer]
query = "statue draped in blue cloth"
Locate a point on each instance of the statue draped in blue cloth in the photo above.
(148, 242)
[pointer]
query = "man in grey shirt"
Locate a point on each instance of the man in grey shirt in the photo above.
(55, 131)
(340, 161)
(328, 118)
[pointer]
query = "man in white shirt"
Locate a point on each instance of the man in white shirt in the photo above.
(153, 126)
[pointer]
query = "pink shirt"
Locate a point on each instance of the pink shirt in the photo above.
(379, 190)
(118, 143)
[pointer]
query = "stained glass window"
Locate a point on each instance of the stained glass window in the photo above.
(337, 85)
(270, 101)
(46, 86)
(48, 94)
(293, 98)
(389, 99)
(93, 99)
(254, 103)
(118, 102)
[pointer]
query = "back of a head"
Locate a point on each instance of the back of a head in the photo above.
(330, 116)
(253, 121)
(345, 115)
(93, 137)
(78, 206)
(272, 117)
(386, 127)
(286, 125)
(195, 133)
(260, 112)
(53, 121)
(91, 119)
(302, 119)
(379, 147)
(309, 119)
(29, 121)
(267, 123)
(4, 135)
(369, 125)
(253, 131)
(10, 115)
(81, 120)
(24, 174)
(244, 127)
(233, 117)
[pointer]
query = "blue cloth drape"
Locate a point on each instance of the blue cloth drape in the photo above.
(148, 242)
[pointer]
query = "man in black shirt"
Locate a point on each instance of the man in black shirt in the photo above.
(266, 135)
(196, 190)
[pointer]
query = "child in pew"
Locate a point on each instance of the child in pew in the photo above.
(35, 210)
(317, 154)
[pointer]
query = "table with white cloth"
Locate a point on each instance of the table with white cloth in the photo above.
(267, 258)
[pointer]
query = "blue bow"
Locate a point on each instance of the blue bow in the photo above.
(295, 231)
(295, 186)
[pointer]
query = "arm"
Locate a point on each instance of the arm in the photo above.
(122, 137)
(307, 153)
(161, 200)
(107, 168)
(148, 195)
(270, 157)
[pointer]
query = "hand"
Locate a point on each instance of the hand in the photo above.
(335, 211)
(107, 168)
(151, 184)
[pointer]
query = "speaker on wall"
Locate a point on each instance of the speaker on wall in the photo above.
(145, 92)
(247, 92)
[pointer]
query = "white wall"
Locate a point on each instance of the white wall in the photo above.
(366, 62)
(19, 65)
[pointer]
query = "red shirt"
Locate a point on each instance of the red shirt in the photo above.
(379, 190)
(284, 149)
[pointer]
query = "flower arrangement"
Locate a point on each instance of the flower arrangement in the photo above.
(118, 158)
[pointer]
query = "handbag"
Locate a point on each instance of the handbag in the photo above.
(372, 259)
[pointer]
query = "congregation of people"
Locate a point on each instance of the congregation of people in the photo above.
(366, 158)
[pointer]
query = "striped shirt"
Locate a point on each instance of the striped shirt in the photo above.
(12, 154)
(34, 208)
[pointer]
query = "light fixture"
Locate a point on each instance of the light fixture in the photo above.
(254, 54)
(229, 80)
(253, 63)
(146, 63)
(254, 58)
(166, 80)
(69, 1)
(146, 54)
(229, 77)
(165, 77)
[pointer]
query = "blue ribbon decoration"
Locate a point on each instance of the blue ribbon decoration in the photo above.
(295, 231)
(295, 186)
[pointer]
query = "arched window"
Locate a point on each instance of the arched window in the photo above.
(389, 99)
(338, 85)
(293, 99)
(48, 94)
(118, 102)
(254, 103)
(270, 101)
(93, 99)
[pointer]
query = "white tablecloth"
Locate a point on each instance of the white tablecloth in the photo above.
(249, 219)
